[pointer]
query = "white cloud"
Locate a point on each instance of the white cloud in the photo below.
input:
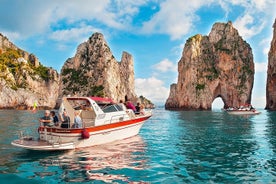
(175, 18)
(165, 66)
(152, 89)
(265, 44)
(247, 26)
(37, 17)
(78, 34)
(261, 67)
(12, 35)
(256, 16)
(22, 21)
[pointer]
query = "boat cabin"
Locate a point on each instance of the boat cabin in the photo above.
(94, 111)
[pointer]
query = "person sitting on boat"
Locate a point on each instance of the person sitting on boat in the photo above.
(65, 119)
(142, 109)
(77, 120)
(55, 118)
(47, 120)
(122, 105)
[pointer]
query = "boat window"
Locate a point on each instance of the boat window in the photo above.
(112, 108)
(119, 107)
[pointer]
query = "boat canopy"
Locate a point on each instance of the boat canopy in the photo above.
(101, 100)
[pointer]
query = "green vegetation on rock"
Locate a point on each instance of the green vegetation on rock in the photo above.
(9, 63)
(97, 91)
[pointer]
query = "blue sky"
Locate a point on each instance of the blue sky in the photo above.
(153, 31)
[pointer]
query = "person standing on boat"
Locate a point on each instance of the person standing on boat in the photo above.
(129, 105)
(65, 119)
(77, 120)
(47, 120)
(137, 107)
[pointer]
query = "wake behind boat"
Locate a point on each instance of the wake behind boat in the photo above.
(242, 110)
(103, 122)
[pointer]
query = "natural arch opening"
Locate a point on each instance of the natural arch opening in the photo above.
(217, 104)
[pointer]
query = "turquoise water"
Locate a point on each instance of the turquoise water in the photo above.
(172, 147)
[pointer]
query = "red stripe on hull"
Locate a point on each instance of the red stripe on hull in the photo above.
(96, 128)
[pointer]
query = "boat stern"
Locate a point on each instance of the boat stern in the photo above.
(32, 144)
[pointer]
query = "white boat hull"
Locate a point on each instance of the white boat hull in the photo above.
(42, 145)
(67, 141)
(110, 135)
(243, 112)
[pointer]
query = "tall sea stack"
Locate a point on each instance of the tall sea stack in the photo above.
(271, 74)
(218, 65)
(94, 71)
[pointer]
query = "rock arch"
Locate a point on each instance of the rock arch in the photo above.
(217, 93)
(220, 64)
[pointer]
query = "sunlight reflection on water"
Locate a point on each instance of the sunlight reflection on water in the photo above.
(98, 163)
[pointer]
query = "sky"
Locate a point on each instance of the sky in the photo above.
(152, 31)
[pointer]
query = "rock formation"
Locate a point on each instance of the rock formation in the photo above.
(94, 71)
(271, 74)
(218, 65)
(23, 80)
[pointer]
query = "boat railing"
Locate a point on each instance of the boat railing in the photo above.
(54, 141)
(27, 134)
(50, 138)
(23, 136)
(117, 118)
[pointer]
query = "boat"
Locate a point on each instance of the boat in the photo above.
(103, 121)
(242, 110)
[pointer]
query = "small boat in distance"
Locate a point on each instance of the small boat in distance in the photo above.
(242, 110)
(103, 122)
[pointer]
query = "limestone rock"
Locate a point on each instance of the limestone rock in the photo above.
(271, 74)
(217, 65)
(94, 71)
(26, 81)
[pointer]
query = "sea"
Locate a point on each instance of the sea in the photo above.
(172, 147)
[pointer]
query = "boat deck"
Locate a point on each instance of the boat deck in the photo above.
(42, 145)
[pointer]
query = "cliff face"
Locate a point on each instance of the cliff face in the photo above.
(23, 80)
(218, 65)
(271, 74)
(94, 71)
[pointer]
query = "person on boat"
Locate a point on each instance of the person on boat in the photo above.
(142, 109)
(47, 120)
(122, 105)
(77, 120)
(137, 107)
(130, 105)
(65, 119)
(55, 118)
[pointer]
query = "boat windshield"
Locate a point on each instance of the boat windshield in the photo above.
(112, 108)
(80, 104)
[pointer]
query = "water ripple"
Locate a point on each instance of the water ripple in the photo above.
(172, 147)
